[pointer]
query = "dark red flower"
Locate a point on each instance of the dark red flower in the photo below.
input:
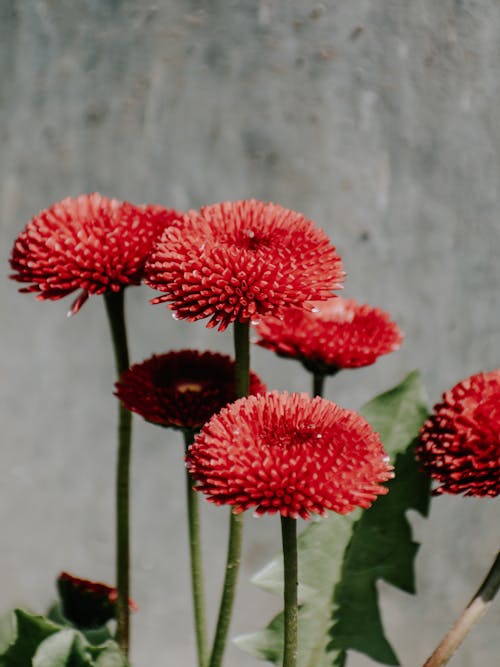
(460, 443)
(291, 454)
(87, 604)
(181, 389)
(89, 243)
(235, 260)
(338, 333)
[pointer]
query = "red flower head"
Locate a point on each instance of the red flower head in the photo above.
(87, 604)
(339, 333)
(181, 389)
(89, 243)
(290, 454)
(235, 260)
(460, 443)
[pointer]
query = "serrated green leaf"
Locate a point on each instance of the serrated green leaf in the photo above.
(396, 415)
(381, 547)
(266, 644)
(30, 631)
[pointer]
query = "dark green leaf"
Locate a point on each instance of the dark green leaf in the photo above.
(398, 414)
(27, 640)
(29, 632)
(329, 551)
(381, 547)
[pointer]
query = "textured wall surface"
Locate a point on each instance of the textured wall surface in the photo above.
(379, 120)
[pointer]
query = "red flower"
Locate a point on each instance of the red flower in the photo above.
(89, 243)
(290, 454)
(460, 443)
(87, 604)
(235, 260)
(339, 333)
(181, 389)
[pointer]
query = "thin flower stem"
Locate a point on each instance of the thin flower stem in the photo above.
(229, 589)
(242, 370)
(470, 616)
(116, 314)
(196, 561)
(290, 567)
(242, 358)
(318, 383)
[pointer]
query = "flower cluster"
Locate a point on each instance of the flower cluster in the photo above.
(338, 333)
(290, 454)
(237, 260)
(89, 243)
(460, 443)
(244, 262)
(181, 389)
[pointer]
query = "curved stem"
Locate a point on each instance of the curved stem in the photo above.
(242, 371)
(196, 561)
(116, 315)
(290, 567)
(318, 384)
(471, 615)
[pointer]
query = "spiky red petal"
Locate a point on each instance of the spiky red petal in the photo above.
(460, 443)
(338, 333)
(236, 260)
(89, 243)
(290, 454)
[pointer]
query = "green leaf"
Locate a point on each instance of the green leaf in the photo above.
(381, 547)
(57, 651)
(398, 414)
(8, 631)
(320, 549)
(110, 656)
(341, 557)
(69, 648)
(27, 640)
(28, 632)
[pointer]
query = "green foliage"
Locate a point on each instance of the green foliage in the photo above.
(342, 557)
(380, 548)
(27, 640)
(27, 632)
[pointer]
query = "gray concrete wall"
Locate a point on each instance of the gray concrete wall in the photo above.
(381, 121)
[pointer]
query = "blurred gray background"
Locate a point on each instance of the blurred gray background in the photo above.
(380, 121)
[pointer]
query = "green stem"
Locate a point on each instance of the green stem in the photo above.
(196, 561)
(242, 358)
(290, 567)
(229, 589)
(470, 616)
(318, 383)
(115, 309)
(242, 372)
